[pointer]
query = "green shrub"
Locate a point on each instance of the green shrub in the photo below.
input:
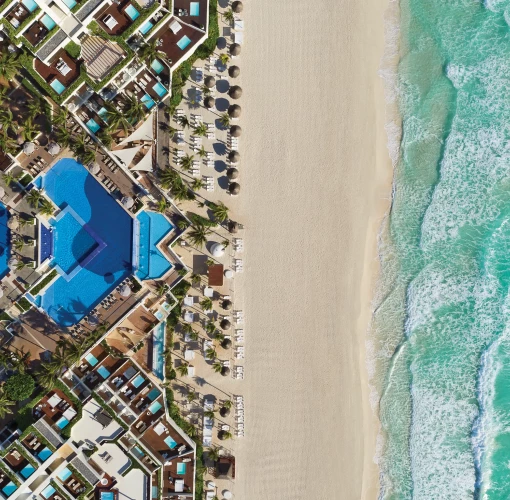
(19, 386)
(5, 317)
(37, 288)
(25, 180)
(73, 49)
(23, 304)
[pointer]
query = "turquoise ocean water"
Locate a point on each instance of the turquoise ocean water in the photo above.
(441, 330)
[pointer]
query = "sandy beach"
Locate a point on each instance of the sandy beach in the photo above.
(316, 177)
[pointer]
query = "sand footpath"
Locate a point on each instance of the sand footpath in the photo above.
(315, 176)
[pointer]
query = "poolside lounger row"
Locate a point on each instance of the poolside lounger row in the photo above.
(238, 265)
(239, 352)
(239, 336)
(209, 163)
(237, 244)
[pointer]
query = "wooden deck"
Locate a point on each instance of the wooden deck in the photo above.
(118, 12)
(50, 72)
(196, 21)
(36, 33)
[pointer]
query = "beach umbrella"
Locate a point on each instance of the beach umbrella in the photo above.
(235, 49)
(225, 370)
(127, 202)
(94, 168)
(93, 320)
(232, 173)
(227, 494)
(210, 81)
(12, 223)
(234, 71)
(125, 291)
(217, 250)
(53, 149)
(226, 343)
(233, 227)
(228, 273)
(237, 6)
(234, 188)
(235, 92)
(224, 412)
(234, 111)
(225, 324)
(209, 102)
(227, 305)
(235, 131)
(234, 156)
(28, 148)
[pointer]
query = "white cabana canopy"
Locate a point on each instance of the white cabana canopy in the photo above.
(28, 148)
(94, 168)
(54, 400)
(228, 273)
(189, 317)
(145, 163)
(144, 132)
(175, 27)
(159, 428)
(127, 202)
(70, 413)
(12, 223)
(217, 250)
(54, 149)
(125, 291)
(127, 155)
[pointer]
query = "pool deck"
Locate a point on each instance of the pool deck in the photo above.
(117, 11)
(50, 71)
(196, 21)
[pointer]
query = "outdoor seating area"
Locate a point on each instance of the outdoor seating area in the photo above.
(36, 33)
(56, 409)
(20, 12)
(117, 17)
(70, 482)
(37, 447)
(192, 12)
(61, 71)
(149, 417)
(165, 441)
(178, 476)
(102, 371)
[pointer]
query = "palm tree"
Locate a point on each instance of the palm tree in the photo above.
(8, 178)
(187, 328)
(186, 162)
(192, 396)
(209, 414)
(195, 279)
(193, 335)
(3, 94)
(201, 152)
(106, 138)
(220, 211)
(210, 353)
(47, 208)
(30, 130)
(5, 402)
(183, 369)
(25, 222)
(197, 184)
(183, 121)
(228, 15)
(198, 235)
(210, 328)
(206, 304)
(88, 156)
(63, 136)
(35, 107)
(60, 117)
(214, 453)
(48, 375)
(150, 51)
(7, 121)
(225, 243)
(182, 224)
(200, 130)
(227, 404)
(168, 177)
(205, 90)
(181, 192)
(161, 289)
(34, 197)
(134, 110)
(8, 144)
(19, 244)
(225, 120)
(219, 336)
(217, 366)
(20, 265)
(223, 435)
(224, 58)
(116, 119)
(72, 351)
(10, 65)
(162, 205)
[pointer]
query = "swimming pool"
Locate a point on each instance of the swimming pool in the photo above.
(103, 372)
(132, 12)
(68, 183)
(93, 125)
(183, 42)
(62, 422)
(45, 242)
(91, 359)
(44, 454)
(155, 393)
(103, 113)
(138, 452)
(181, 468)
(48, 22)
(69, 3)
(57, 86)
(158, 346)
(146, 27)
(138, 381)
(27, 471)
(155, 407)
(159, 89)
(194, 8)
(147, 100)
(65, 474)
(153, 227)
(5, 241)
(31, 5)
(107, 495)
(157, 66)
(48, 491)
(169, 441)
(9, 488)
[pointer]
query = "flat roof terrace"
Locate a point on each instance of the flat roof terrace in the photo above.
(61, 67)
(178, 476)
(165, 441)
(193, 12)
(117, 17)
(36, 33)
(17, 14)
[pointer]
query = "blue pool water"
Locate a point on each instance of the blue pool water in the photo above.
(132, 12)
(157, 66)
(31, 5)
(154, 407)
(155, 393)
(27, 471)
(159, 89)
(62, 422)
(194, 8)
(138, 381)
(45, 242)
(103, 372)
(158, 346)
(5, 241)
(146, 27)
(44, 454)
(170, 442)
(48, 22)
(57, 86)
(65, 474)
(103, 113)
(155, 492)
(91, 359)
(181, 468)
(93, 125)
(9, 488)
(147, 100)
(153, 227)
(68, 301)
(107, 495)
(48, 491)
(138, 452)
(183, 42)
(70, 3)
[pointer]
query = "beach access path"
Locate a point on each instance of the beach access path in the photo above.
(316, 179)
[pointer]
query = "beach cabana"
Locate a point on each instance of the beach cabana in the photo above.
(125, 291)
(54, 400)
(69, 414)
(127, 202)
(233, 227)
(227, 305)
(53, 149)
(94, 168)
(28, 148)
(235, 92)
(217, 250)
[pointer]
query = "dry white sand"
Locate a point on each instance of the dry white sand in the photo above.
(315, 175)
